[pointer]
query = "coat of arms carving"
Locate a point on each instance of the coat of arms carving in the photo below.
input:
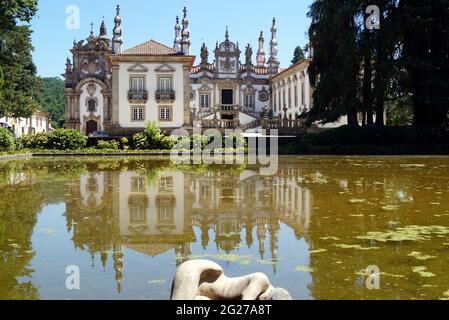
(227, 65)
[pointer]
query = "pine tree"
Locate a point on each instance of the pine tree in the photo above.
(335, 67)
(298, 55)
(53, 100)
(425, 31)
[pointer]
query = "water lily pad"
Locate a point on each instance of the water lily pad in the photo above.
(420, 256)
(317, 251)
(305, 269)
(413, 165)
(365, 274)
(269, 262)
(390, 208)
(330, 238)
(355, 201)
(354, 246)
(422, 272)
(408, 233)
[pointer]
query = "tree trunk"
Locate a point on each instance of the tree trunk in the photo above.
(367, 81)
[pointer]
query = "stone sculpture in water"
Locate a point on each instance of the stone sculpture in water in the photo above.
(205, 280)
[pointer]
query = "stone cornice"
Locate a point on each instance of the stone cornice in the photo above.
(299, 66)
(187, 61)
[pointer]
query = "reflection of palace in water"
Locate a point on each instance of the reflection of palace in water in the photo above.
(111, 210)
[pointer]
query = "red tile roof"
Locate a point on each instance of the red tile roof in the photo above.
(150, 48)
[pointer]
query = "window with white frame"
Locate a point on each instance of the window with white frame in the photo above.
(296, 96)
(137, 84)
(249, 100)
(165, 85)
(289, 97)
(204, 101)
(137, 113)
(137, 184)
(279, 101)
(303, 94)
(165, 213)
(166, 185)
(137, 214)
(165, 113)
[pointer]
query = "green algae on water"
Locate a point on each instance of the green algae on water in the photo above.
(354, 246)
(420, 256)
(422, 271)
(317, 251)
(356, 201)
(330, 238)
(408, 233)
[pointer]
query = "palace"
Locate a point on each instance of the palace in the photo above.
(111, 89)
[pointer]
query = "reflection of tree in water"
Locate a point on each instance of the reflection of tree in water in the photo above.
(18, 216)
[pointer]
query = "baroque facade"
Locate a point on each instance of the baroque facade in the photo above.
(118, 91)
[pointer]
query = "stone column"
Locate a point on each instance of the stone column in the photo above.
(66, 108)
(72, 109)
(77, 107)
(115, 94)
(187, 90)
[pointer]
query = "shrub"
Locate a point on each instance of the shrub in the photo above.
(61, 139)
(199, 141)
(37, 141)
(125, 143)
(151, 138)
(168, 143)
(64, 139)
(108, 145)
(6, 140)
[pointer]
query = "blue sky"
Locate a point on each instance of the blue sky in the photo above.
(155, 19)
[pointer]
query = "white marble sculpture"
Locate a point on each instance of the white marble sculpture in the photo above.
(205, 280)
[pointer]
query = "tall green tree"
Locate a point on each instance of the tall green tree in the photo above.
(16, 10)
(53, 100)
(298, 55)
(20, 87)
(404, 62)
(335, 67)
(425, 31)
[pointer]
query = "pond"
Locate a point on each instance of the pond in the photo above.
(314, 227)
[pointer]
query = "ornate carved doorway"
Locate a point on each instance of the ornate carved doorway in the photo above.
(91, 126)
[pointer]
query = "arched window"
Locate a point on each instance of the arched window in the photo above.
(91, 105)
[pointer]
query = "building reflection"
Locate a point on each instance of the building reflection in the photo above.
(109, 211)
